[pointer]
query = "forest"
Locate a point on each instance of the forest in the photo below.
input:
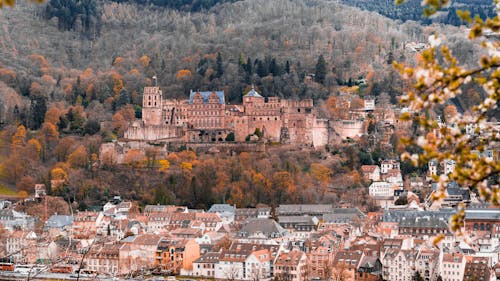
(412, 10)
(77, 80)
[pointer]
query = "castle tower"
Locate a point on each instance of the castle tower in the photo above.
(152, 106)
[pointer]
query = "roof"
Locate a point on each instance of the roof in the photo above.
(305, 209)
(267, 227)
(292, 258)
(424, 222)
(58, 221)
(210, 257)
(253, 93)
(206, 95)
(343, 215)
(483, 214)
(222, 208)
(368, 168)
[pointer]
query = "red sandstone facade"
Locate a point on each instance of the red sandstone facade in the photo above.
(205, 117)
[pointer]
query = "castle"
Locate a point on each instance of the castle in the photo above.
(206, 118)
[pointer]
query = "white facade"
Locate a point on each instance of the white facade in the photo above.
(381, 189)
(452, 267)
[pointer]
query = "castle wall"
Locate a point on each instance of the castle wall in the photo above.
(320, 133)
(153, 133)
(349, 128)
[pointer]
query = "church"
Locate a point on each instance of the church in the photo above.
(206, 118)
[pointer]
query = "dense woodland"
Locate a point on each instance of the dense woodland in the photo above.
(77, 82)
(412, 10)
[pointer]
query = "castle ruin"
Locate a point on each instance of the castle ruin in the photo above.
(206, 118)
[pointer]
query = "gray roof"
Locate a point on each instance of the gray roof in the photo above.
(58, 221)
(268, 227)
(400, 215)
(343, 215)
(424, 222)
(305, 209)
(206, 95)
(296, 219)
(210, 257)
(482, 214)
(253, 93)
(222, 208)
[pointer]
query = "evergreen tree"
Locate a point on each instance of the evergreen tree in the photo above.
(321, 70)
(219, 68)
(37, 110)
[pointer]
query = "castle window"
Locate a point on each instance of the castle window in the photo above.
(298, 109)
(267, 118)
(155, 103)
(275, 118)
(149, 97)
(149, 103)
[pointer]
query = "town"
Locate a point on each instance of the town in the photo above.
(287, 242)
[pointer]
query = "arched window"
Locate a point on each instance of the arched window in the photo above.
(476, 227)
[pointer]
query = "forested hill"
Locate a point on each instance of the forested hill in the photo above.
(412, 10)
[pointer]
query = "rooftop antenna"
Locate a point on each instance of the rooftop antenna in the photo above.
(156, 81)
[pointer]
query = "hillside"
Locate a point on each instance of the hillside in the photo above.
(412, 10)
(73, 89)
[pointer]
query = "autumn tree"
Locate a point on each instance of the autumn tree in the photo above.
(438, 79)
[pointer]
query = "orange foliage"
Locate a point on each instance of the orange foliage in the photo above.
(79, 157)
(183, 73)
(145, 60)
(135, 158)
(52, 115)
(19, 137)
(33, 149)
(118, 61)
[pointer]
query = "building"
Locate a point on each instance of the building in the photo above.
(176, 255)
(452, 267)
(205, 117)
(483, 222)
(291, 266)
(371, 172)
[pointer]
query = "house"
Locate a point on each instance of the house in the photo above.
(398, 264)
(477, 268)
(18, 243)
(423, 227)
(433, 166)
(85, 224)
(176, 256)
(448, 166)
(291, 266)
(299, 226)
(320, 250)
(452, 266)
(246, 261)
(205, 265)
(104, 259)
(138, 253)
(345, 264)
(387, 165)
(371, 172)
(381, 189)
(13, 220)
(483, 221)
(369, 268)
